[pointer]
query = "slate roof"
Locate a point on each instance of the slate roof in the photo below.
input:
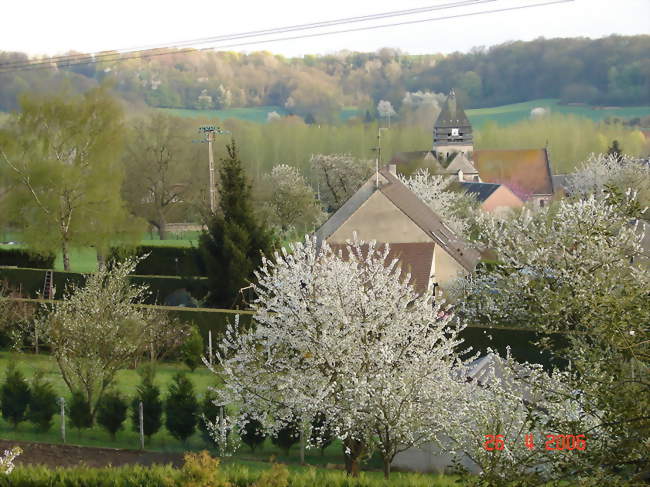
(526, 172)
(415, 209)
(415, 259)
(482, 191)
(452, 114)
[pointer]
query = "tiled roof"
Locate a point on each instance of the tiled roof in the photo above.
(461, 163)
(482, 191)
(414, 258)
(526, 172)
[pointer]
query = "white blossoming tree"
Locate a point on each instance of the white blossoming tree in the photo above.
(571, 269)
(338, 176)
(349, 338)
(454, 206)
(289, 202)
(7, 460)
(99, 329)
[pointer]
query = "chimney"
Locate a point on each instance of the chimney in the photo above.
(460, 175)
(392, 168)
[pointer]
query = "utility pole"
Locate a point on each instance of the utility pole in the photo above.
(210, 131)
(378, 158)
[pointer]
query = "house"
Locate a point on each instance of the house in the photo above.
(494, 198)
(525, 172)
(386, 211)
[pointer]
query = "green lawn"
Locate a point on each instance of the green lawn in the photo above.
(251, 114)
(509, 114)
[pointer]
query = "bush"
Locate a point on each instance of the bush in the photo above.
(164, 261)
(79, 412)
(192, 350)
(181, 408)
(111, 412)
(42, 404)
(321, 432)
(276, 476)
(252, 433)
(22, 258)
(152, 405)
(201, 470)
(14, 396)
(287, 436)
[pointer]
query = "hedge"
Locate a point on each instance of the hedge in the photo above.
(164, 261)
(30, 282)
(22, 258)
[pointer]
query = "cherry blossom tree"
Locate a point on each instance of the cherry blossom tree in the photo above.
(338, 176)
(347, 338)
(571, 269)
(455, 207)
(7, 460)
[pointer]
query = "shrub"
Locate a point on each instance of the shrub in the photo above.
(42, 403)
(287, 436)
(22, 258)
(192, 350)
(276, 476)
(79, 411)
(14, 396)
(111, 412)
(181, 408)
(321, 432)
(152, 405)
(252, 433)
(201, 470)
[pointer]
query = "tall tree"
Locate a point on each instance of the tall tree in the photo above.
(63, 157)
(233, 244)
(161, 167)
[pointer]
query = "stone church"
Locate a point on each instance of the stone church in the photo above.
(524, 172)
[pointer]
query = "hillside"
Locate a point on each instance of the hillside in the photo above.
(612, 71)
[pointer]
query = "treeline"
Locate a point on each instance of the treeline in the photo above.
(610, 71)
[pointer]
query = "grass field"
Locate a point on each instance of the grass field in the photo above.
(503, 115)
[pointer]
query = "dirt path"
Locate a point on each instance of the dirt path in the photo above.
(52, 455)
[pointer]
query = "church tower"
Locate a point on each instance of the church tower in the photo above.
(452, 132)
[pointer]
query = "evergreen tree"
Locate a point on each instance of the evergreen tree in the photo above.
(252, 433)
(181, 408)
(14, 396)
(111, 412)
(42, 404)
(79, 411)
(152, 406)
(287, 436)
(192, 349)
(233, 244)
(615, 150)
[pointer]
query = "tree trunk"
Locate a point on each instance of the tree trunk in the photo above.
(356, 448)
(162, 228)
(101, 260)
(65, 252)
(387, 463)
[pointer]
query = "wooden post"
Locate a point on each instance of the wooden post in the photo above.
(62, 402)
(210, 348)
(141, 414)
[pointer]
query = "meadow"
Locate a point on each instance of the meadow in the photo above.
(501, 115)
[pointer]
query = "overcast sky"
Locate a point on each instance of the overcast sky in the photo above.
(55, 27)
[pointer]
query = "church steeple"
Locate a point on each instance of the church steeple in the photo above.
(452, 131)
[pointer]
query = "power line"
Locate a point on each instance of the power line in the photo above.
(257, 33)
(47, 64)
(93, 57)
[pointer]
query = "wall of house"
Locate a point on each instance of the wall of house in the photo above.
(445, 268)
(502, 201)
(379, 219)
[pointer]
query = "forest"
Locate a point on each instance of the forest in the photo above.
(609, 71)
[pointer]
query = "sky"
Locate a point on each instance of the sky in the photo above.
(47, 27)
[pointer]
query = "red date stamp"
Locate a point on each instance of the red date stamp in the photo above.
(553, 442)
